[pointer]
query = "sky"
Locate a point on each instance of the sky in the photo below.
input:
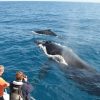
(97, 1)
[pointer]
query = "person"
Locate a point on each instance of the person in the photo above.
(3, 83)
(20, 89)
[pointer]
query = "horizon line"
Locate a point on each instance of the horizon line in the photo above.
(76, 1)
(50, 1)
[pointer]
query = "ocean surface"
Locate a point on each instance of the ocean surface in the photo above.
(77, 26)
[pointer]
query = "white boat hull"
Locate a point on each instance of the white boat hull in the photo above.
(6, 96)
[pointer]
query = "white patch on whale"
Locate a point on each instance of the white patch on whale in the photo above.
(36, 33)
(57, 58)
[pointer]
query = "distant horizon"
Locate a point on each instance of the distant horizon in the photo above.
(84, 1)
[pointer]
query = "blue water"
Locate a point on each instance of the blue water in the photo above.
(77, 26)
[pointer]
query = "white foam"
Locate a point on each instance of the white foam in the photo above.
(34, 32)
(57, 58)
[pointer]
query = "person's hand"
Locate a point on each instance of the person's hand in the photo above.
(25, 79)
(8, 84)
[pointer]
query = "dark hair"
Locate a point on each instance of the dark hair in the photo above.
(20, 75)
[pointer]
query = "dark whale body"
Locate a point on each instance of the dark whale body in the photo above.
(51, 48)
(79, 71)
(46, 32)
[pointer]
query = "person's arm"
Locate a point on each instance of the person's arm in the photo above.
(25, 79)
(5, 84)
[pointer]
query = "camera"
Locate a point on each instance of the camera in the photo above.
(24, 78)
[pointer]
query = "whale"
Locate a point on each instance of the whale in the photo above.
(46, 32)
(58, 52)
(74, 67)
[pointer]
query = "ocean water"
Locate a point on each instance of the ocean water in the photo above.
(77, 26)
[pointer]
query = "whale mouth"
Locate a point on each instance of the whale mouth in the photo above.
(57, 57)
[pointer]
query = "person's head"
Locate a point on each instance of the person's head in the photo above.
(20, 75)
(1, 69)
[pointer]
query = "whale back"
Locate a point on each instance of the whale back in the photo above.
(46, 32)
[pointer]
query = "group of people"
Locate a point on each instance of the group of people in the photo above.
(20, 88)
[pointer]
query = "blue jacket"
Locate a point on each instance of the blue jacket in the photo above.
(26, 90)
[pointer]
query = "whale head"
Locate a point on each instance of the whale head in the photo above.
(42, 42)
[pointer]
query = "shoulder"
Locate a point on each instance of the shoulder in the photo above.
(27, 87)
(2, 80)
(26, 84)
